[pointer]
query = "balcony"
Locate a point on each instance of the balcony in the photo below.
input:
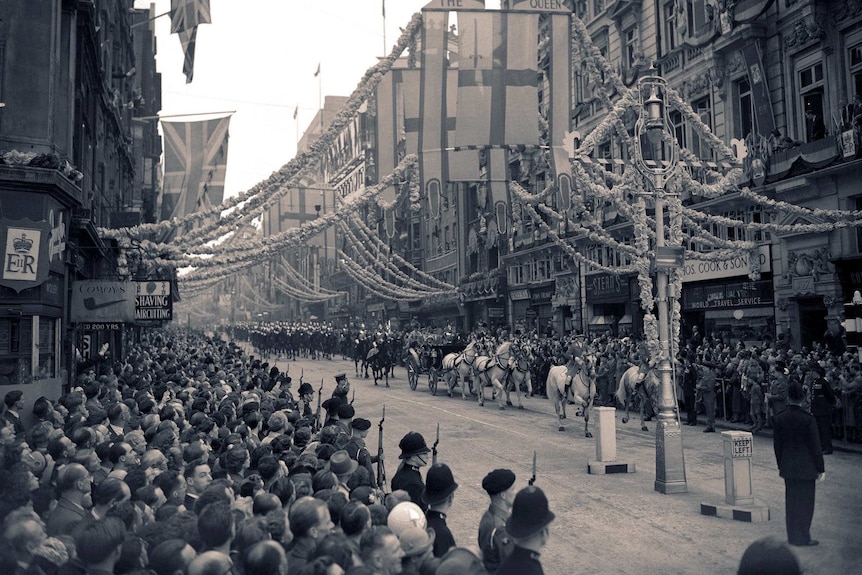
(483, 287)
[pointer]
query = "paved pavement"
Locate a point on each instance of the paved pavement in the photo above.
(606, 524)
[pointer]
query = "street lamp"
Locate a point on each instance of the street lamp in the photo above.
(657, 159)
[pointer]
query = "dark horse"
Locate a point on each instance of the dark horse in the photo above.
(361, 345)
(381, 358)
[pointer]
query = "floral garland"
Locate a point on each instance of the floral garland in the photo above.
(259, 197)
(301, 282)
(300, 294)
(596, 236)
(839, 215)
(372, 283)
(773, 228)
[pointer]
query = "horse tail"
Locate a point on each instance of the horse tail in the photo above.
(622, 391)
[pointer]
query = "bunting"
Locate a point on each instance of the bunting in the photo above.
(195, 166)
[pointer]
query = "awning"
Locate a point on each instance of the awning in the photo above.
(625, 320)
(601, 320)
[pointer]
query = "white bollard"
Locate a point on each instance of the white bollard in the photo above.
(606, 445)
(739, 502)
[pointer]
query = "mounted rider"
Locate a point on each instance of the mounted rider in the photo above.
(579, 361)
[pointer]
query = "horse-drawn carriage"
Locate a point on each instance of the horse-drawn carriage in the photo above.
(427, 359)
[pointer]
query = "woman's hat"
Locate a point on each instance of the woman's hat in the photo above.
(439, 484)
(530, 513)
(412, 444)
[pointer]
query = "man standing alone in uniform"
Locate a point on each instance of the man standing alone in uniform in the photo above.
(493, 541)
(800, 463)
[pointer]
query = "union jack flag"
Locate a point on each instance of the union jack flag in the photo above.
(187, 14)
(195, 166)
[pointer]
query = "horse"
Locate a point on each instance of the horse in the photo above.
(508, 367)
(459, 364)
(380, 359)
(578, 387)
(361, 346)
(635, 383)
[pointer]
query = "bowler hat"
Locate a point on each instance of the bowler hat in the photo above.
(416, 541)
(439, 484)
(360, 423)
(341, 464)
(412, 444)
(530, 513)
(498, 481)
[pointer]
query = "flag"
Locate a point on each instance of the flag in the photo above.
(560, 101)
(763, 114)
(384, 8)
(317, 72)
(296, 111)
(195, 166)
(432, 105)
(187, 40)
(497, 79)
(187, 14)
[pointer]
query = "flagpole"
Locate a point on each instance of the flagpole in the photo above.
(320, 95)
(384, 28)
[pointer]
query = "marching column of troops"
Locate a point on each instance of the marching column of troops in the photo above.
(188, 457)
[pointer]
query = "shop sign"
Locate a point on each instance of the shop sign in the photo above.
(496, 312)
(103, 301)
(542, 294)
(607, 288)
(519, 294)
(153, 301)
(25, 253)
(730, 295)
(375, 307)
(699, 270)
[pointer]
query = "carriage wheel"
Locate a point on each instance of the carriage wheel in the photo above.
(432, 381)
(412, 377)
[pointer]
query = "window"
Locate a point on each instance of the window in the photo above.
(670, 39)
(703, 108)
(744, 121)
(604, 152)
(598, 7)
(678, 126)
(631, 50)
(581, 9)
(854, 59)
(812, 92)
(696, 17)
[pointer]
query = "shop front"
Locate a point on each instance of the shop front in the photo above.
(540, 303)
(567, 304)
(520, 306)
(610, 304)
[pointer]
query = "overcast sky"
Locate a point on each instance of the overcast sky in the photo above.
(258, 58)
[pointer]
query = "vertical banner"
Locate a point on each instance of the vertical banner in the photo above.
(497, 79)
(432, 106)
(387, 136)
(195, 166)
(763, 114)
(560, 101)
(410, 101)
(498, 175)
(463, 165)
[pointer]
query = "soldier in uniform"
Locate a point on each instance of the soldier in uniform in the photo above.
(493, 540)
(357, 449)
(342, 387)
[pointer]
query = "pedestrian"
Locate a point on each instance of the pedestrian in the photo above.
(439, 494)
(706, 387)
(494, 543)
(823, 399)
(800, 463)
(528, 526)
(776, 396)
(414, 456)
(689, 388)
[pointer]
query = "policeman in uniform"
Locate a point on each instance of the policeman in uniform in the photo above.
(306, 393)
(494, 543)
(528, 528)
(414, 456)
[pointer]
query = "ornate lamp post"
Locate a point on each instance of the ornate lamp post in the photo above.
(657, 159)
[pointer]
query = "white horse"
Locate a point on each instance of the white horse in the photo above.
(578, 387)
(508, 368)
(459, 365)
(636, 383)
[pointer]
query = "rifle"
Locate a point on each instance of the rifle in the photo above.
(353, 397)
(434, 447)
(533, 478)
(317, 422)
(381, 471)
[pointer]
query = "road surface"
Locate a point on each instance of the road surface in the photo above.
(606, 524)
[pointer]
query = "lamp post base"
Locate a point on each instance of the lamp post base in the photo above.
(669, 463)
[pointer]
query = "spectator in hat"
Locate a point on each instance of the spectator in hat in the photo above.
(357, 449)
(439, 494)
(414, 456)
(493, 541)
(776, 396)
(418, 547)
(343, 467)
(706, 371)
(528, 526)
